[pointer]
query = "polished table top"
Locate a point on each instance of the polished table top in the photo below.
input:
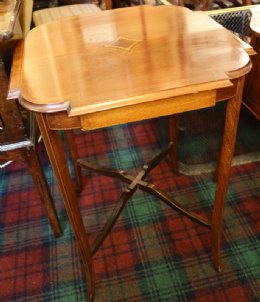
(109, 59)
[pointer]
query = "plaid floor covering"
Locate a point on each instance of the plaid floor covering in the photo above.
(153, 253)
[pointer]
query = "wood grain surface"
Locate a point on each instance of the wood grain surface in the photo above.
(111, 59)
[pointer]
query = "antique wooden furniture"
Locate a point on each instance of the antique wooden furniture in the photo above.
(235, 19)
(16, 142)
(128, 65)
(251, 96)
(54, 13)
(210, 4)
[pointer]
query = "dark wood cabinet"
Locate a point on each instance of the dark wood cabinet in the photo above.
(251, 98)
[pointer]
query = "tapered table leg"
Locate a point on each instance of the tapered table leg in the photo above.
(173, 137)
(74, 157)
(223, 169)
(55, 150)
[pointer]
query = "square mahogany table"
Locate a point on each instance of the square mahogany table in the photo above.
(112, 67)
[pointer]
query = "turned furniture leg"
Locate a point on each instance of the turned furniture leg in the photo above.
(34, 166)
(223, 169)
(54, 148)
(173, 137)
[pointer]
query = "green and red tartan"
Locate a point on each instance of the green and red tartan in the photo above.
(152, 254)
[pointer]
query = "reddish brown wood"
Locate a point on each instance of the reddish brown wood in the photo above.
(173, 135)
(151, 88)
(29, 157)
(58, 161)
(135, 183)
(247, 2)
(223, 169)
(48, 90)
(251, 97)
(14, 132)
(74, 157)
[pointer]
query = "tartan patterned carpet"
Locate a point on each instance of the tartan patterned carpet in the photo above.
(153, 254)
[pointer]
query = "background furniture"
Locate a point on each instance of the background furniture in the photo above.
(251, 97)
(55, 13)
(16, 140)
(43, 4)
(214, 4)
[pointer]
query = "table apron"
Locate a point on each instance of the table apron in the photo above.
(138, 112)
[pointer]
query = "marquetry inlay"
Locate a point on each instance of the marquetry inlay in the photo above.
(123, 43)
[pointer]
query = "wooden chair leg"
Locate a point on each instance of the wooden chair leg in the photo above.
(74, 157)
(32, 161)
(173, 137)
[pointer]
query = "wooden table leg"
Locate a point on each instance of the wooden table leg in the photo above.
(173, 137)
(223, 169)
(57, 159)
(74, 157)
